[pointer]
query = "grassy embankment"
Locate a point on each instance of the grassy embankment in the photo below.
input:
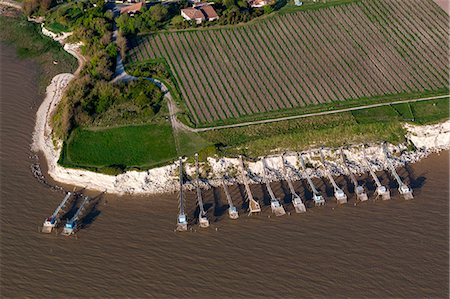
(27, 38)
(144, 147)
(363, 126)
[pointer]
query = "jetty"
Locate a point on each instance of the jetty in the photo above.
(51, 222)
(202, 219)
(381, 190)
(297, 202)
(339, 194)
(318, 199)
(361, 194)
(232, 211)
(403, 189)
(253, 205)
(277, 207)
(182, 224)
(72, 224)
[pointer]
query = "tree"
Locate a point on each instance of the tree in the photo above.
(229, 3)
(45, 5)
(30, 6)
(177, 21)
(158, 13)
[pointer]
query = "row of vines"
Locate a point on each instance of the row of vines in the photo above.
(369, 48)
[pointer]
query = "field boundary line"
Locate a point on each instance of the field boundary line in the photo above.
(265, 121)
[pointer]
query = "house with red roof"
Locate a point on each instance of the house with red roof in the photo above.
(199, 13)
(132, 9)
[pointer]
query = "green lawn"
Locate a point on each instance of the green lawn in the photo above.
(423, 112)
(113, 150)
(140, 147)
(430, 111)
(56, 27)
(361, 126)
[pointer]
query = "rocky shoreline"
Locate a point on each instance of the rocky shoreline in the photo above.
(426, 139)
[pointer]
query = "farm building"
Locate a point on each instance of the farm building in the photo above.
(132, 9)
(199, 13)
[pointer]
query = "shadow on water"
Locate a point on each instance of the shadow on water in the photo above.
(219, 207)
(287, 198)
(266, 197)
(415, 181)
(72, 209)
(329, 190)
(243, 196)
(92, 211)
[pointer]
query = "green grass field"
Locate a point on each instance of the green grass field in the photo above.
(142, 147)
(56, 27)
(130, 147)
(361, 126)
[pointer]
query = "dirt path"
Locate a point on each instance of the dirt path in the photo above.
(11, 3)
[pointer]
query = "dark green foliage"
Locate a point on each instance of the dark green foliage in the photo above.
(99, 100)
(154, 18)
(149, 69)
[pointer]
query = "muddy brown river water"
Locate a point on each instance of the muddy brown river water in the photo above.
(395, 248)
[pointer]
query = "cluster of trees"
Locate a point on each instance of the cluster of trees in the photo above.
(230, 12)
(104, 95)
(87, 100)
(239, 11)
(150, 69)
(149, 19)
(89, 93)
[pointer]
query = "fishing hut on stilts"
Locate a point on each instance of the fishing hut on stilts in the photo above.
(277, 207)
(339, 194)
(318, 199)
(361, 194)
(253, 205)
(403, 189)
(232, 211)
(202, 220)
(381, 190)
(297, 202)
(182, 224)
(72, 225)
(51, 222)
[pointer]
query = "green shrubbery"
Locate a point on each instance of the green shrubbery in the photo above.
(100, 103)
(151, 19)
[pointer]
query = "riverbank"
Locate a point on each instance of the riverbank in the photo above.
(30, 43)
(426, 140)
(165, 179)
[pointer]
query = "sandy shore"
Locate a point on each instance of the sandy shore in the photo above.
(427, 139)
